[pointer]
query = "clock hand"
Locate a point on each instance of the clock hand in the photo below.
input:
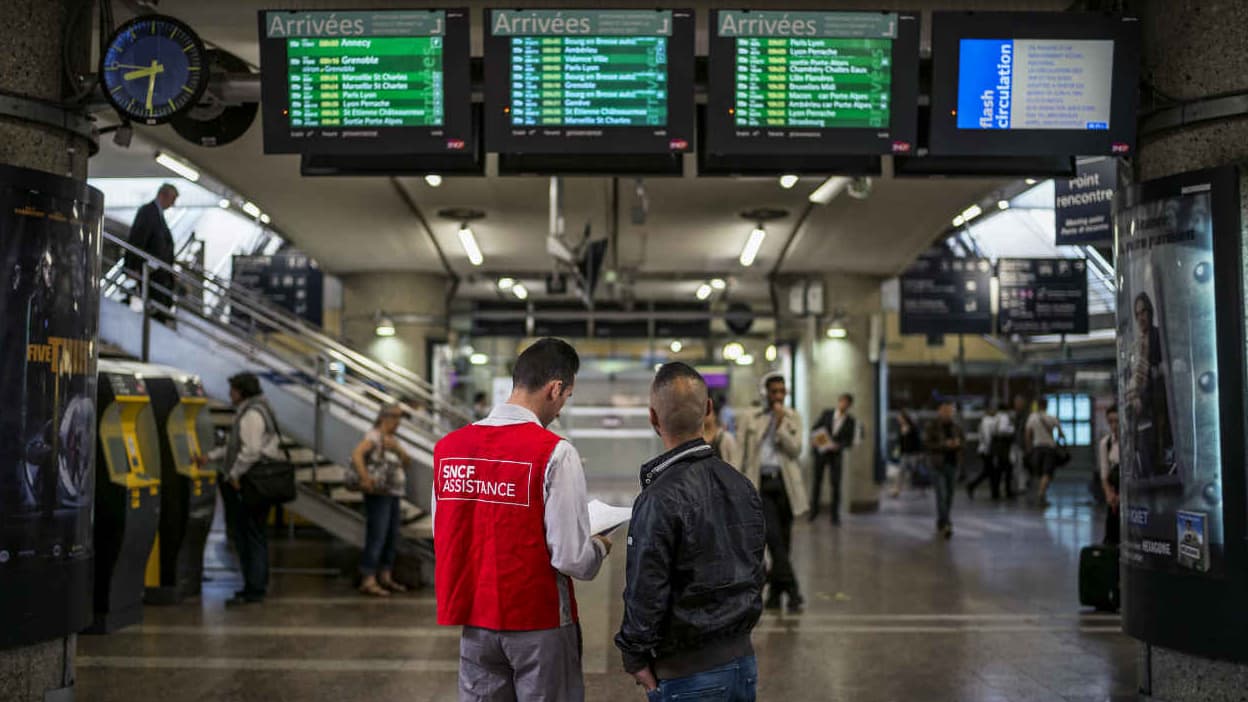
(151, 87)
(143, 73)
(127, 65)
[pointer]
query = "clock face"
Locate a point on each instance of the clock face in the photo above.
(153, 69)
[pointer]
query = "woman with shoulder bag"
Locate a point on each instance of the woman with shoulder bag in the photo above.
(380, 461)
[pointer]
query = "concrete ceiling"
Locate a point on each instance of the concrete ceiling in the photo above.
(693, 227)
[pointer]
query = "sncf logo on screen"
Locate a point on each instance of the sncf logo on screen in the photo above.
(484, 480)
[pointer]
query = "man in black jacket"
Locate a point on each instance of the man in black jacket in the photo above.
(840, 427)
(150, 234)
(695, 558)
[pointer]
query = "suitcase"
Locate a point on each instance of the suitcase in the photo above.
(1098, 577)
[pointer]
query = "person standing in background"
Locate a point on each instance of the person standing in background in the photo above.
(1018, 451)
(1041, 448)
(944, 439)
(150, 234)
(910, 446)
(722, 442)
(727, 416)
(987, 430)
(1107, 461)
(770, 446)
(838, 430)
(1002, 441)
(381, 463)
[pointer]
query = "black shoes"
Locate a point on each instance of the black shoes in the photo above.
(795, 599)
(241, 599)
(796, 602)
(814, 514)
(773, 600)
(947, 531)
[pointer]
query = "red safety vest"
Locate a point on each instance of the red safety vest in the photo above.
(493, 565)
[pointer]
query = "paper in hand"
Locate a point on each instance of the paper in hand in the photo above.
(604, 518)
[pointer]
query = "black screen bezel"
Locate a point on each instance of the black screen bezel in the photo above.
(456, 98)
(948, 28)
(902, 135)
(499, 136)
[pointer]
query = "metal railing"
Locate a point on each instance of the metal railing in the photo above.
(223, 310)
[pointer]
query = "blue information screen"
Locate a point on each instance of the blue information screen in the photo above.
(1035, 84)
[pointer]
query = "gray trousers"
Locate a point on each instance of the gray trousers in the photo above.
(521, 666)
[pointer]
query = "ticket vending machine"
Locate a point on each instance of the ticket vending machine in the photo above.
(127, 496)
(188, 493)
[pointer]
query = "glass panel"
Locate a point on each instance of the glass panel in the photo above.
(1083, 408)
(1068, 428)
(1066, 408)
(1083, 435)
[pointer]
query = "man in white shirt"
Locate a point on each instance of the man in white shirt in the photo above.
(1041, 447)
(987, 430)
(1107, 461)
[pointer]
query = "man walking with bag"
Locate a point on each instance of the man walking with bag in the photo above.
(511, 530)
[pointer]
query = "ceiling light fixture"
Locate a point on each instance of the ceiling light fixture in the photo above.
(971, 213)
(520, 291)
(718, 283)
(788, 180)
(506, 283)
(433, 179)
(224, 204)
(837, 331)
(177, 166)
(265, 219)
(478, 359)
(733, 350)
(958, 221)
(1003, 204)
(469, 242)
(745, 360)
(1030, 181)
(676, 346)
(252, 209)
(385, 326)
(750, 251)
(703, 292)
(828, 190)
(770, 353)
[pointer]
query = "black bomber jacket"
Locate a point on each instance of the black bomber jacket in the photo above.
(695, 565)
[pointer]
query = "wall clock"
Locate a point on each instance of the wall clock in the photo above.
(153, 68)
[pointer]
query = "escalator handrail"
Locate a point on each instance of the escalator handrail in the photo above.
(281, 319)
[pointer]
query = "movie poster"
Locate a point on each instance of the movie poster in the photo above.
(1168, 386)
(49, 311)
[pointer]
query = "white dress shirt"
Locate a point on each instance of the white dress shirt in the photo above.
(252, 445)
(573, 550)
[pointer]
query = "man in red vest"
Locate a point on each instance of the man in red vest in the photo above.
(511, 529)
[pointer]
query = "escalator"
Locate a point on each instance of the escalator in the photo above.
(218, 330)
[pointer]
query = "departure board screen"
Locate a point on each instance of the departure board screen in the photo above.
(813, 82)
(392, 81)
(1033, 84)
(593, 81)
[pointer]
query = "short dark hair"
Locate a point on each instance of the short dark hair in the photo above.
(167, 188)
(479, 397)
(1113, 409)
(774, 378)
(546, 360)
(848, 396)
(247, 384)
(680, 409)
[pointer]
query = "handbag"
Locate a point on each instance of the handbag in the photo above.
(1061, 455)
(271, 480)
(378, 469)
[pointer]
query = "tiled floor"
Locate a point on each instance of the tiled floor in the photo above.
(894, 614)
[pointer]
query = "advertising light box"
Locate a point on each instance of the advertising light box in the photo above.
(365, 82)
(812, 83)
(589, 81)
(1030, 84)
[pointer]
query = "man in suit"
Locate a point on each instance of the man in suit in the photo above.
(840, 426)
(150, 234)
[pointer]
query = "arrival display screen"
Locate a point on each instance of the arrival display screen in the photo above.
(812, 82)
(1033, 84)
(593, 81)
(393, 81)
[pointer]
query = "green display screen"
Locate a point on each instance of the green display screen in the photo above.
(618, 81)
(365, 81)
(819, 82)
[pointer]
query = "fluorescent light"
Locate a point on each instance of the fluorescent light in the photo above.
(433, 180)
(676, 346)
(752, 245)
(958, 221)
(971, 213)
(828, 191)
(469, 242)
(837, 332)
(718, 283)
(745, 360)
(252, 209)
(177, 166)
(770, 353)
(506, 283)
(1030, 181)
(265, 219)
(788, 181)
(385, 327)
(704, 291)
(733, 350)
(224, 204)
(478, 359)
(1003, 204)
(520, 291)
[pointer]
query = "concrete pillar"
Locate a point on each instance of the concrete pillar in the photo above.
(418, 295)
(33, 36)
(836, 366)
(1195, 49)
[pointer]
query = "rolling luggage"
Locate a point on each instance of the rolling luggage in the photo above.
(1098, 577)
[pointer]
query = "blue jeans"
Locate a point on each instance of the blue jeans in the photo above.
(734, 682)
(945, 475)
(381, 533)
(247, 524)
